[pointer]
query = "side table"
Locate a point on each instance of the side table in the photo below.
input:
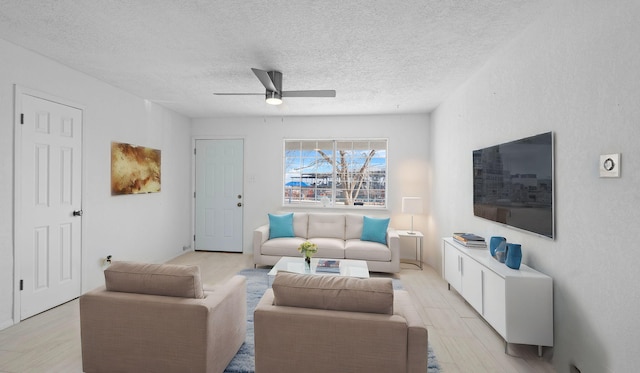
(419, 238)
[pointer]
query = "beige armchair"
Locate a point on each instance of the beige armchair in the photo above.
(158, 318)
(315, 323)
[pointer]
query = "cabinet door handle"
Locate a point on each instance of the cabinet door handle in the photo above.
(482, 291)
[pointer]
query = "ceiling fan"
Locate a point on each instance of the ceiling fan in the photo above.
(272, 82)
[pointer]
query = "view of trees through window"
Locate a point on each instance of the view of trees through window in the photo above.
(335, 172)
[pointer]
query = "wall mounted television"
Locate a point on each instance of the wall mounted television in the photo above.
(513, 184)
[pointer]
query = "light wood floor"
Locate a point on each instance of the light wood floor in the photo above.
(462, 341)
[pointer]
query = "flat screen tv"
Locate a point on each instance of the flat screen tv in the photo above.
(513, 184)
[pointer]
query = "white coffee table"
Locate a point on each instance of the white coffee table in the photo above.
(348, 267)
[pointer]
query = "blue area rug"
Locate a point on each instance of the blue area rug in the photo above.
(257, 284)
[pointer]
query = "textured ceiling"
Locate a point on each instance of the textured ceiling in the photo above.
(382, 57)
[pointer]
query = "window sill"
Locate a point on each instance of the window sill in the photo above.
(334, 208)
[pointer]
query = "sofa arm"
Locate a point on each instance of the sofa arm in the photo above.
(393, 242)
(161, 333)
(260, 236)
(227, 321)
(417, 337)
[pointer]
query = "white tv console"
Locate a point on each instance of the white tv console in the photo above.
(518, 304)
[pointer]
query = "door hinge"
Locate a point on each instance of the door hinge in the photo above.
(194, 194)
(194, 238)
(21, 285)
(21, 118)
(194, 151)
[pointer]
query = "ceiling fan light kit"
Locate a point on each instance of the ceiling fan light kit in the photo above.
(272, 82)
(273, 98)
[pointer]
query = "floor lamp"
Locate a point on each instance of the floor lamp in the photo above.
(411, 205)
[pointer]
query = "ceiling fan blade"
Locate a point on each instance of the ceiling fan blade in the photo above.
(239, 94)
(265, 79)
(316, 93)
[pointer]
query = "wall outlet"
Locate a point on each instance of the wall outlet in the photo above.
(186, 247)
(610, 165)
(106, 261)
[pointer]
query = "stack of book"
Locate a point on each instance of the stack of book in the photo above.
(469, 240)
(327, 265)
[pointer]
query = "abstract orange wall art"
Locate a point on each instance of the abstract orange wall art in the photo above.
(134, 169)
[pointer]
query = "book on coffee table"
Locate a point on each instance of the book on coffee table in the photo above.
(328, 265)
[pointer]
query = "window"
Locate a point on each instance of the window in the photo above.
(335, 172)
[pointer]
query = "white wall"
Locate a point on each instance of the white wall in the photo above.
(142, 227)
(574, 72)
(408, 170)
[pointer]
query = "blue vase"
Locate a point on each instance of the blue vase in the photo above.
(494, 242)
(501, 252)
(514, 255)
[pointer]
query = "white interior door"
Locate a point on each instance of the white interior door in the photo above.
(48, 233)
(218, 196)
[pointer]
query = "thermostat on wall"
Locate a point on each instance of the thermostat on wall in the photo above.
(610, 165)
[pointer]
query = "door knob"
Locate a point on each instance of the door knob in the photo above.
(239, 196)
(239, 204)
(77, 213)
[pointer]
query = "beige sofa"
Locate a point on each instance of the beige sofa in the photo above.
(338, 236)
(315, 323)
(158, 318)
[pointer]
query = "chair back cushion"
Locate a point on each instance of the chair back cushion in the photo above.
(155, 279)
(300, 223)
(354, 226)
(340, 293)
(326, 226)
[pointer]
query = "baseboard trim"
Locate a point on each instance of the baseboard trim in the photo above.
(5, 324)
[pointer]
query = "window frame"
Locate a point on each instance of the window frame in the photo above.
(302, 195)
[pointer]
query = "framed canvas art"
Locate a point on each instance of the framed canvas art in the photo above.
(134, 169)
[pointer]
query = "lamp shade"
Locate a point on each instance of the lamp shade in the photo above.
(411, 205)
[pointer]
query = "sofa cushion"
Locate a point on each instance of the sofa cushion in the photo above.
(326, 225)
(300, 224)
(353, 226)
(375, 229)
(372, 295)
(155, 279)
(282, 246)
(367, 250)
(281, 225)
(329, 247)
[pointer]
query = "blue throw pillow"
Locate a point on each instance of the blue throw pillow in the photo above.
(281, 226)
(375, 230)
